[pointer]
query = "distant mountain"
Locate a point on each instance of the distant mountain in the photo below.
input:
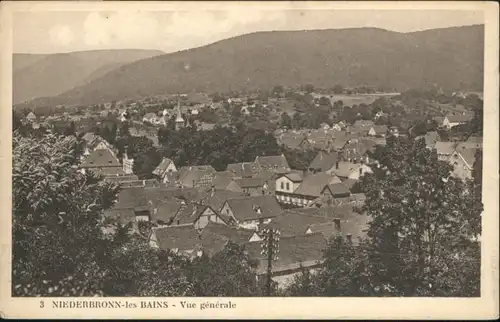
(450, 58)
(41, 75)
(23, 60)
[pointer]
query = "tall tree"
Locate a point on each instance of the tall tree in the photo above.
(308, 88)
(344, 273)
(286, 120)
(227, 273)
(338, 89)
(58, 246)
(146, 156)
(424, 224)
(136, 269)
(477, 169)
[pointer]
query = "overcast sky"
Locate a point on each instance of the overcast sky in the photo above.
(169, 31)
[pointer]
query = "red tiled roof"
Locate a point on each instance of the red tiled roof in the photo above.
(187, 238)
(200, 175)
(338, 189)
(244, 208)
(272, 161)
(167, 210)
(101, 158)
(236, 235)
(346, 168)
(292, 224)
(445, 147)
(293, 251)
(459, 118)
(162, 167)
(243, 169)
(313, 184)
(222, 181)
(349, 183)
(295, 176)
(324, 161)
(184, 237)
(251, 182)
(351, 222)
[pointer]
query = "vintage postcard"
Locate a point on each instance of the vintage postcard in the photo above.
(306, 160)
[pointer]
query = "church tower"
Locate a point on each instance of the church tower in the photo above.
(179, 121)
(128, 164)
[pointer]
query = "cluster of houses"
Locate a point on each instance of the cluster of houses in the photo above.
(196, 210)
(454, 119)
(362, 134)
(165, 116)
(460, 154)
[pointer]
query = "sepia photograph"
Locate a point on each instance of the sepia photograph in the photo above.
(233, 151)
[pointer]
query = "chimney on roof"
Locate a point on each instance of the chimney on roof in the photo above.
(193, 183)
(336, 221)
(349, 238)
(212, 192)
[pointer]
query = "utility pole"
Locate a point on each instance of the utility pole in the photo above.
(270, 248)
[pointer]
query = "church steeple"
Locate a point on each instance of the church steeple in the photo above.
(179, 120)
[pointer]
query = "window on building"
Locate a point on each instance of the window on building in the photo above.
(282, 186)
(288, 186)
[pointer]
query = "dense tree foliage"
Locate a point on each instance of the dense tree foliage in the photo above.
(428, 218)
(338, 89)
(108, 131)
(56, 215)
(217, 147)
(146, 156)
(423, 231)
(344, 273)
(227, 273)
(286, 120)
(477, 170)
(312, 119)
(62, 246)
(476, 105)
(137, 269)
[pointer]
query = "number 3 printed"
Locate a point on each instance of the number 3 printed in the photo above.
(41, 304)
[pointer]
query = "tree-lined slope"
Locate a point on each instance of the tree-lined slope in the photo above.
(44, 75)
(450, 58)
